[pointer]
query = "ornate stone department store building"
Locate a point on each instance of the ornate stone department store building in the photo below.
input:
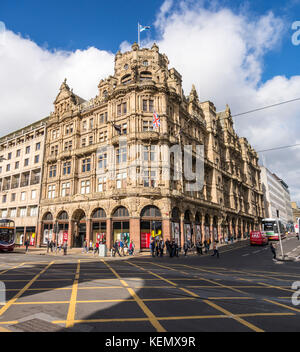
(80, 199)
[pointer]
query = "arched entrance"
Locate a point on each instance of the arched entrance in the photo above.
(198, 235)
(47, 228)
(98, 226)
(121, 225)
(79, 234)
(62, 226)
(151, 225)
(175, 226)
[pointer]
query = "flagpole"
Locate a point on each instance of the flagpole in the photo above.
(138, 34)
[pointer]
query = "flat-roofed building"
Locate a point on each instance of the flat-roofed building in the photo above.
(21, 162)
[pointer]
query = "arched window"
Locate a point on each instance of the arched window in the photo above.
(99, 214)
(197, 218)
(63, 216)
(187, 216)
(48, 217)
(121, 212)
(151, 211)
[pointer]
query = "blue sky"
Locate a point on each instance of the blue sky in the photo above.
(70, 25)
(235, 52)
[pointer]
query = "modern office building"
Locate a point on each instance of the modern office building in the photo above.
(276, 197)
(93, 187)
(21, 162)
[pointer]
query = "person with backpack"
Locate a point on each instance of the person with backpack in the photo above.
(273, 250)
(131, 247)
(116, 249)
(161, 247)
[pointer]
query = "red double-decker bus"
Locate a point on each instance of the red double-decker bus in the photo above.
(7, 235)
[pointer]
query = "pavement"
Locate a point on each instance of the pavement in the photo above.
(243, 290)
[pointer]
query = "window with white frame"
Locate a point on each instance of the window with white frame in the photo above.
(150, 178)
(102, 161)
(13, 212)
(4, 213)
(121, 155)
(65, 189)
(33, 194)
(23, 196)
(85, 187)
(101, 184)
(33, 211)
(121, 180)
(23, 212)
(51, 192)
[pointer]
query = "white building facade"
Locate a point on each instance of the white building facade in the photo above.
(276, 197)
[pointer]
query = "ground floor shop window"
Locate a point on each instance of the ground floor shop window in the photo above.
(150, 229)
(198, 233)
(121, 231)
(99, 232)
(176, 232)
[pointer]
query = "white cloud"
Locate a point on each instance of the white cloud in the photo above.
(31, 77)
(223, 52)
(219, 50)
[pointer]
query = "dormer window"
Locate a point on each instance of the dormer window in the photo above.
(126, 67)
(145, 63)
(126, 79)
(105, 94)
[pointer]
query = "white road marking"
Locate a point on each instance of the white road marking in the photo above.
(244, 255)
(256, 252)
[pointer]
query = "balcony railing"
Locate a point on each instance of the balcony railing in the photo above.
(24, 183)
(15, 185)
(35, 180)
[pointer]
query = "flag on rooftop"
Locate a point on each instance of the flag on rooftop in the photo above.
(143, 28)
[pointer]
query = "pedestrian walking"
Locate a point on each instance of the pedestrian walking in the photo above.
(168, 243)
(152, 247)
(51, 246)
(48, 245)
(199, 247)
(273, 250)
(116, 249)
(121, 245)
(65, 246)
(96, 249)
(91, 246)
(216, 250)
(185, 248)
(26, 243)
(131, 248)
(176, 247)
(161, 247)
(157, 247)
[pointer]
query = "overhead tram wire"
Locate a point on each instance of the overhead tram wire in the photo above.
(266, 107)
(278, 148)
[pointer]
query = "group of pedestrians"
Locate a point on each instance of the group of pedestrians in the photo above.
(157, 247)
(54, 246)
(122, 248)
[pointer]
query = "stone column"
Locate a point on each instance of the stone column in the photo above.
(211, 228)
(135, 233)
(166, 229)
(70, 233)
(39, 234)
(108, 234)
(181, 231)
(88, 230)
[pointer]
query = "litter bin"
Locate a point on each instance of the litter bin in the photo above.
(102, 250)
